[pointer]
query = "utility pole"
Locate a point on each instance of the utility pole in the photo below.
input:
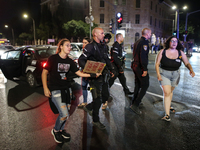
(115, 24)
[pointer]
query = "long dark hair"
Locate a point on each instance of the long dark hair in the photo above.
(87, 39)
(62, 41)
(179, 45)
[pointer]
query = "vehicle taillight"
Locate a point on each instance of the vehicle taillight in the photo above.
(44, 64)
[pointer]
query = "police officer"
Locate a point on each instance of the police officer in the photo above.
(106, 40)
(117, 60)
(96, 51)
(139, 67)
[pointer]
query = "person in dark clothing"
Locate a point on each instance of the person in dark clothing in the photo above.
(106, 40)
(96, 51)
(139, 67)
(58, 67)
(117, 60)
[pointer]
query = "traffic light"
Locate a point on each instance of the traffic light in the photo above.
(111, 26)
(119, 20)
(186, 32)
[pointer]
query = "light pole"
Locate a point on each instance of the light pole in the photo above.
(90, 19)
(177, 20)
(115, 24)
(26, 16)
(6, 26)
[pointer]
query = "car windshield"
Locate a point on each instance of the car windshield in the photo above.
(45, 53)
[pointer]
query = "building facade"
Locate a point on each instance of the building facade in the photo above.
(137, 14)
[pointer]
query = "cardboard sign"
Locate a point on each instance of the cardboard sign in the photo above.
(94, 67)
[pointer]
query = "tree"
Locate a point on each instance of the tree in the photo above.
(77, 29)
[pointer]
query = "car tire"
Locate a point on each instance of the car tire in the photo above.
(31, 79)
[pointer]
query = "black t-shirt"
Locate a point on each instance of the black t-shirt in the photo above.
(58, 71)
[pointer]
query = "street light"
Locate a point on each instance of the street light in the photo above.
(177, 20)
(26, 16)
(6, 26)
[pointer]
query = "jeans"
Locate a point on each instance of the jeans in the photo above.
(84, 89)
(62, 109)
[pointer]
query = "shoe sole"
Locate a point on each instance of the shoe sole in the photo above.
(66, 137)
(98, 127)
(135, 111)
(86, 110)
(55, 137)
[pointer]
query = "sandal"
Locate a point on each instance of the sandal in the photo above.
(82, 105)
(105, 105)
(172, 110)
(166, 118)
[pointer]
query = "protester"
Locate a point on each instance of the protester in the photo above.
(139, 67)
(167, 67)
(58, 88)
(85, 81)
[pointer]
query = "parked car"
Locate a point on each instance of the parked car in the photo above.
(80, 45)
(28, 62)
(4, 48)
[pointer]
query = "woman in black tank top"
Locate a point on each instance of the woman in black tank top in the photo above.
(167, 65)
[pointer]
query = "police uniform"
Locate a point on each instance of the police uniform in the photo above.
(139, 64)
(97, 52)
(117, 60)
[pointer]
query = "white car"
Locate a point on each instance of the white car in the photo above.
(196, 49)
(4, 48)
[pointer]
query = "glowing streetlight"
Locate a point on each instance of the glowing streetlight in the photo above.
(6, 26)
(177, 19)
(26, 16)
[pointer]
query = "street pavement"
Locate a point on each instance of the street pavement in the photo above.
(26, 120)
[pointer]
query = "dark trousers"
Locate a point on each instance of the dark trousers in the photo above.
(122, 80)
(141, 85)
(100, 93)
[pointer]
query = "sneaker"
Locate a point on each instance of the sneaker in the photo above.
(129, 93)
(57, 136)
(65, 134)
(135, 109)
(166, 118)
(82, 105)
(87, 110)
(99, 125)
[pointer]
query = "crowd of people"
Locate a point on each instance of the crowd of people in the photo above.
(167, 66)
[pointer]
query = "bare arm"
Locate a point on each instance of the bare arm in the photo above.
(81, 74)
(187, 64)
(157, 64)
(47, 93)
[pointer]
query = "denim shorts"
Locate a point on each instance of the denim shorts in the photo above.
(169, 77)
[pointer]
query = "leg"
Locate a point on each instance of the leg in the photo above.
(122, 80)
(58, 132)
(105, 95)
(144, 84)
(84, 89)
(168, 93)
(62, 109)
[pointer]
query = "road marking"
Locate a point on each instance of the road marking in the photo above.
(160, 96)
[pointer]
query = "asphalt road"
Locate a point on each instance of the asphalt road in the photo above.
(26, 120)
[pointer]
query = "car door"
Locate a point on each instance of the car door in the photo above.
(10, 64)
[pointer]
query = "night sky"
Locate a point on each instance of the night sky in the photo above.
(11, 12)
